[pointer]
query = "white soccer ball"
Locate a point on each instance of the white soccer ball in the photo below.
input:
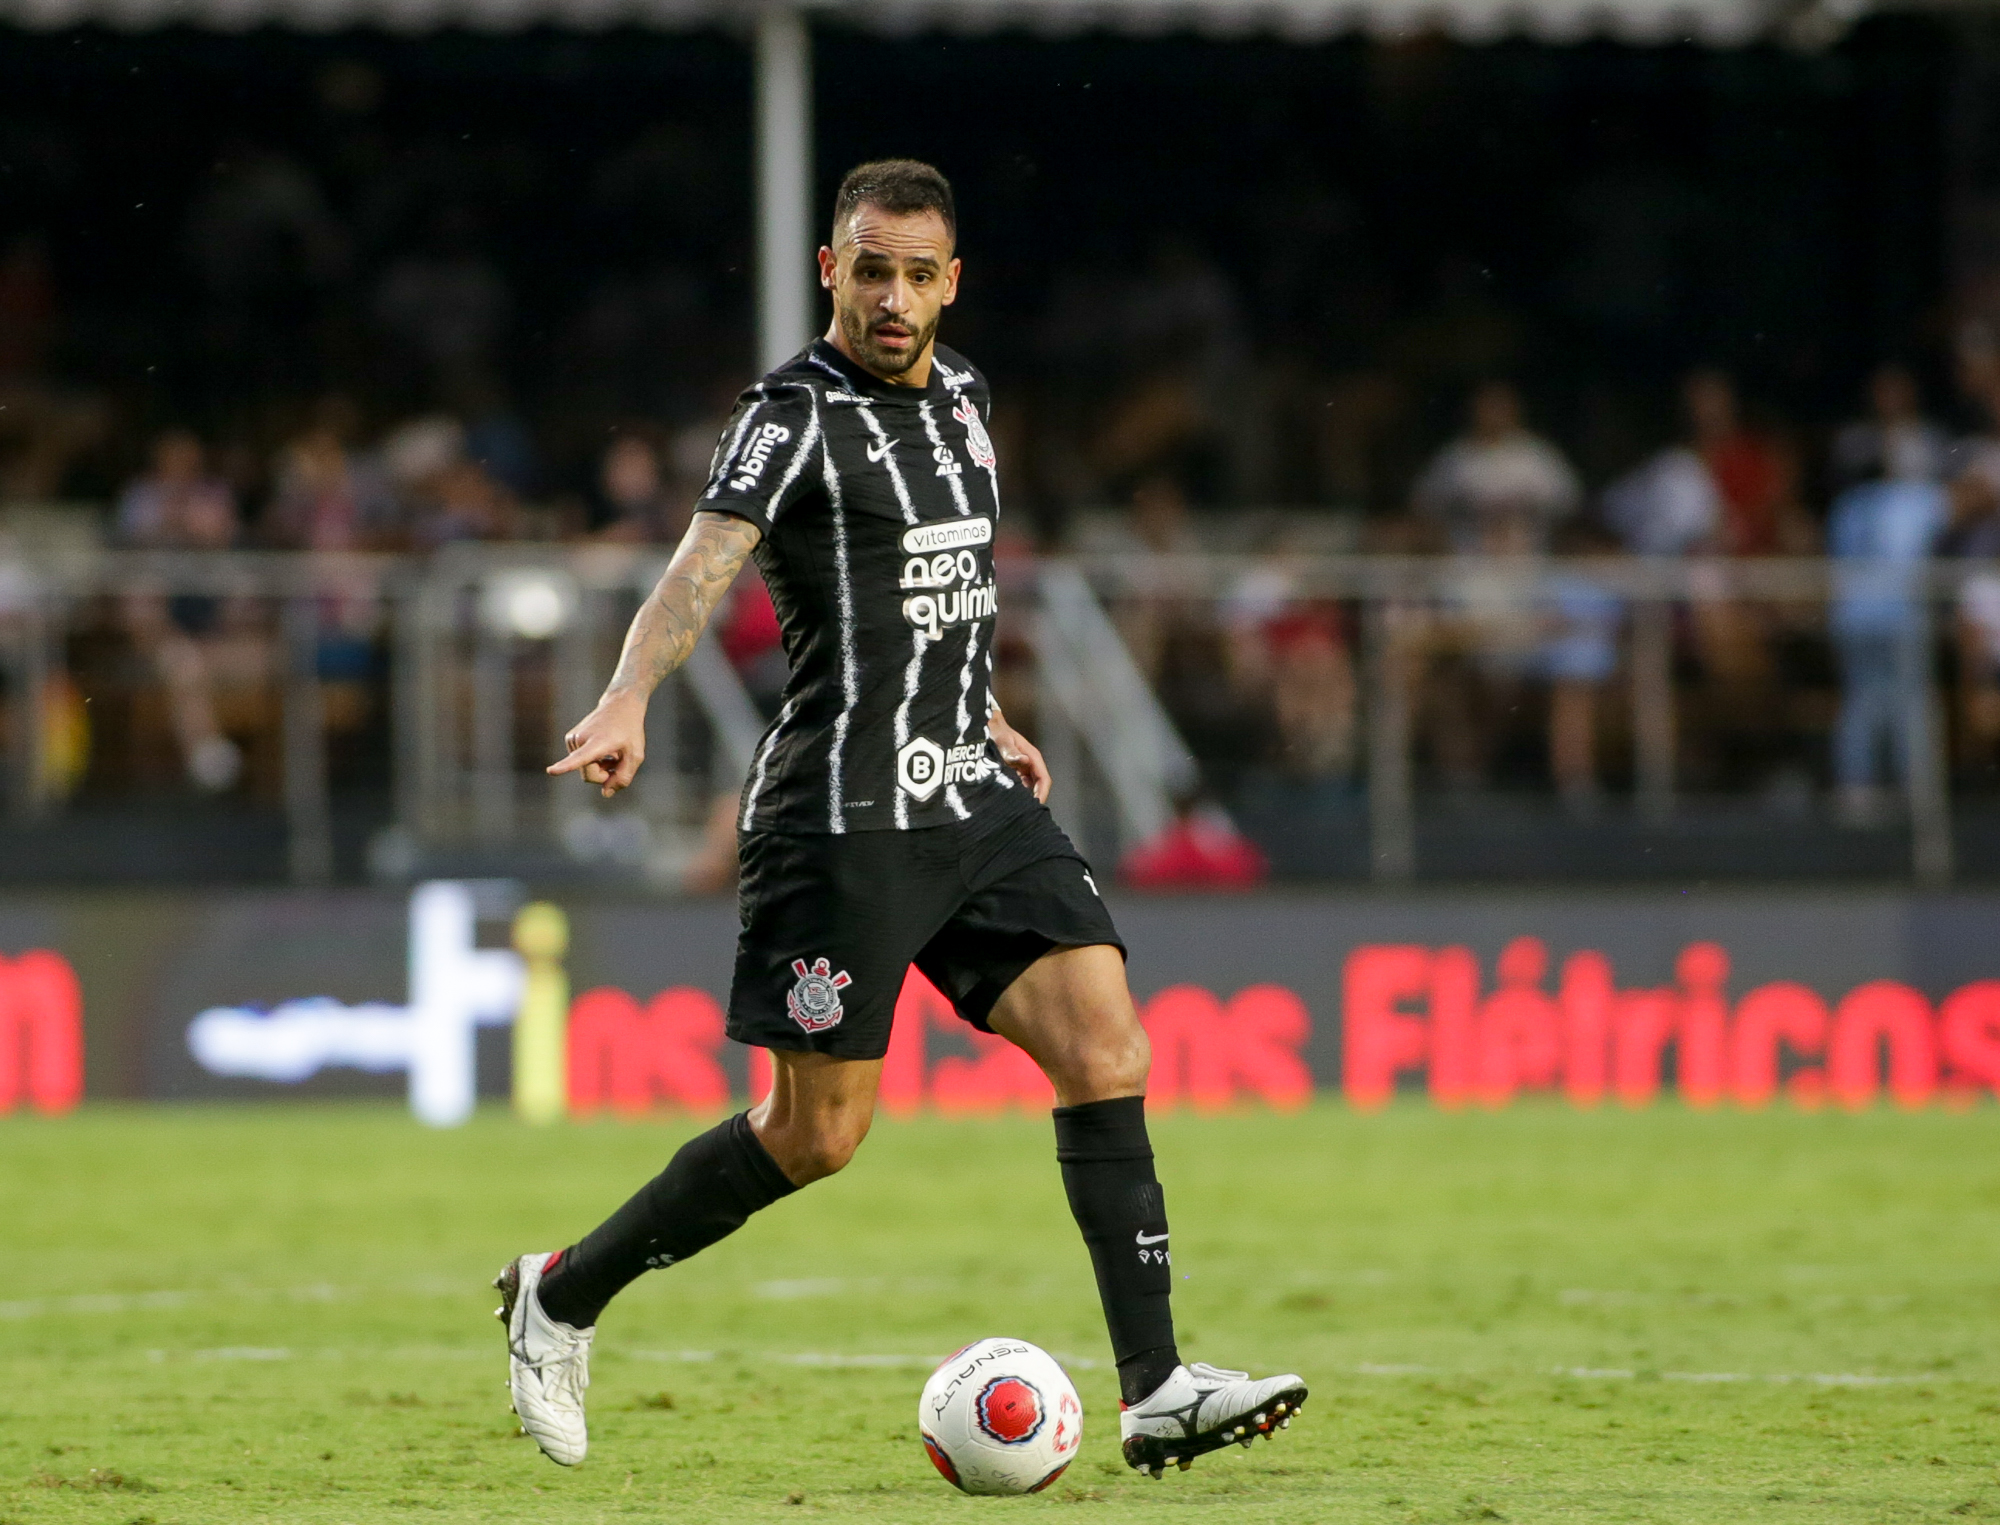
(1000, 1417)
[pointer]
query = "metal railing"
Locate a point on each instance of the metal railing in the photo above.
(479, 657)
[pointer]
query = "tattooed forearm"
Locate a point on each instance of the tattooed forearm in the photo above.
(668, 624)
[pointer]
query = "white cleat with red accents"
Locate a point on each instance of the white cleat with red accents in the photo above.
(1202, 1408)
(548, 1364)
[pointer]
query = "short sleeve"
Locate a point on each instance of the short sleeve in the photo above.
(766, 458)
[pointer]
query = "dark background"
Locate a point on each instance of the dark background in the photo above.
(1591, 219)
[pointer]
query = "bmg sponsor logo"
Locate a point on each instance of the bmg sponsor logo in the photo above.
(757, 456)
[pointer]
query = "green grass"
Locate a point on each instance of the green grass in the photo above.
(218, 1316)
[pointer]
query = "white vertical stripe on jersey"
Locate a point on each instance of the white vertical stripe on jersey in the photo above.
(958, 498)
(964, 682)
(720, 469)
(918, 641)
(850, 678)
(964, 506)
(799, 458)
(911, 675)
(764, 762)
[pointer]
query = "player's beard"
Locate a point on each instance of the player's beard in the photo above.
(860, 332)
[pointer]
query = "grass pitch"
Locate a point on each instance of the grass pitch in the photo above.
(263, 1315)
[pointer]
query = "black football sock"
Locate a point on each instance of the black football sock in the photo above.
(1107, 1169)
(710, 1187)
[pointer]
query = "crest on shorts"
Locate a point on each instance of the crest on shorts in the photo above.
(815, 998)
(977, 440)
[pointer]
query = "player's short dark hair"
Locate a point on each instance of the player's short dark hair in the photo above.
(902, 187)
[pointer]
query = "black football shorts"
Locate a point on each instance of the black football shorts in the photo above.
(831, 924)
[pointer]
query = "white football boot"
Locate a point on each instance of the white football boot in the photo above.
(1203, 1408)
(548, 1363)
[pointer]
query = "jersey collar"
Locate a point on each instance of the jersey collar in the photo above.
(867, 382)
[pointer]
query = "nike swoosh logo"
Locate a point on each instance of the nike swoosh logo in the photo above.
(877, 451)
(1145, 1238)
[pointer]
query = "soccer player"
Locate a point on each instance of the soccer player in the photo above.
(891, 816)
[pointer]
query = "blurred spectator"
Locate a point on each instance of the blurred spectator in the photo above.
(465, 503)
(1499, 488)
(1496, 492)
(1884, 530)
(1668, 506)
(1979, 453)
(330, 499)
(1578, 659)
(1171, 605)
(177, 505)
(1295, 651)
(637, 506)
(1517, 629)
(496, 438)
(327, 500)
(1975, 534)
(1749, 472)
(1895, 441)
(444, 495)
(202, 644)
(1313, 695)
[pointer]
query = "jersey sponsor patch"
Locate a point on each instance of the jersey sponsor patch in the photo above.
(757, 456)
(920, 767)
(814, 1000)
(923, 767)
(947, 535)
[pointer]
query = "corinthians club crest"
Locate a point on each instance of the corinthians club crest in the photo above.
(977, 440)
(815, 999)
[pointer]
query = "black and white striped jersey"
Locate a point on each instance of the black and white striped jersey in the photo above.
(878, 505)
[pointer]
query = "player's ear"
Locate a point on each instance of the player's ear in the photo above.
(951, 282)
(829, 264)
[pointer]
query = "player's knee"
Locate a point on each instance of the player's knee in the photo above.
(1116, 1061)
(820, 1149)
(824, 1157)
(1128, 1059)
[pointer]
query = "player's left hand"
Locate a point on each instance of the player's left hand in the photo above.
(1022, 755)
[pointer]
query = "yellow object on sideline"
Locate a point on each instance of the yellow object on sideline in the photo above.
(541, 1067)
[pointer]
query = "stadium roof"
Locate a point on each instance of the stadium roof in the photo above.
(1715, 22)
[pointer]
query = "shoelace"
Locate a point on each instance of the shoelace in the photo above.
(562, 1359)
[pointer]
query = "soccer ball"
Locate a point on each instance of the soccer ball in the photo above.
(1000, 1417)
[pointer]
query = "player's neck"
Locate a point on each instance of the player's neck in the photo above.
(917, 377)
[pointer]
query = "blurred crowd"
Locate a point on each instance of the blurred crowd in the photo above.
(1135, 416)
(1520, 665)
(1519, 668)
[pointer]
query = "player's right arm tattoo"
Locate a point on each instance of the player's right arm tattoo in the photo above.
(669, 623)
